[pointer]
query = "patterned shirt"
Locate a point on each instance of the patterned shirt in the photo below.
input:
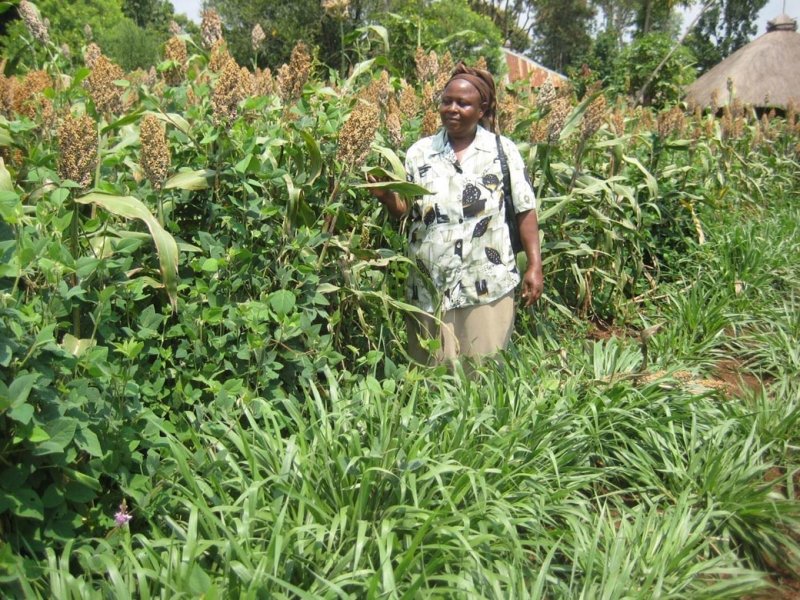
(458, 236)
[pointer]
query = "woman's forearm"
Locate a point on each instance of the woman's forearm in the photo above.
(532, 280)
(528, 224)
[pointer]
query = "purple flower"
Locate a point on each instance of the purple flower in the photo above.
(122, 516)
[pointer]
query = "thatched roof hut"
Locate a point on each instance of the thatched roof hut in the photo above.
(765, 73)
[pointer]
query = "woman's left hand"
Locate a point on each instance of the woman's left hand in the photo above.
(532, 285)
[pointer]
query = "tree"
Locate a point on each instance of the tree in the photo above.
(285, 23)
(723, 29)
(562, 29)
(514, 18)
(446, 25)
(149, 13)
(657, 15)
(637, 62)
(67, 22)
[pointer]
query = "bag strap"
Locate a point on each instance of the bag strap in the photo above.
(506, 173)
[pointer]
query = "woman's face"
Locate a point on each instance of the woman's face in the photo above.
(460, 108)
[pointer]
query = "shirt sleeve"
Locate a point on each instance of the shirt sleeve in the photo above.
(521, 190)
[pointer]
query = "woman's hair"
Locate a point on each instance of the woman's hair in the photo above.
(483, 81)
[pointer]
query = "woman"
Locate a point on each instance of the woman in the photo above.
(458, 235)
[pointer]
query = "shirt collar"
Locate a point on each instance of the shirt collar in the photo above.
(484, 142)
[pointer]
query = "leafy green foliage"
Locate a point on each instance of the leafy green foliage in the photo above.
(637, 62)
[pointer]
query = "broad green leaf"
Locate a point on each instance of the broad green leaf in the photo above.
(121, 122)
(22, 413)
(24, 503)
(315, 157)
(360, 68)
(10, 207)
(652, 184)
(382, 33)
(404, 188)
(132, 208)
(173, 119)
(295, 195)
(5, 137)
(77, 492)
(282, 302)
(6, 185)
(398, 169)
(575, 117)
(61, 432)
(20, 389)
(87, 480)
(76, 346)
(190, 180)
(38, 435)
(244, 165)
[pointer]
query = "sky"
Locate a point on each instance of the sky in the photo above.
(771, 10)
(191, 8)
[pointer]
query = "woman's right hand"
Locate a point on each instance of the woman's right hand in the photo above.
(382, 194)
(391, 200)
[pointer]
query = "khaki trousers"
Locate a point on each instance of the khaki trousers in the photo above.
(473, 331)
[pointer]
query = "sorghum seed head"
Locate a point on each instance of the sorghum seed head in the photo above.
(28, 94)
(556, 118)
(154, 150)
(175, 51)
(33, 21)
(430, 122)
(357, 134)
(593, 118)
(77, 142)
(219, 56)
(378, 90)
(394, 124)
(546, 95)
(293, 76)
(257, 37)
(101, 87)
(409, 103)
(233, 85)
(263, 83)
(336, 9)
(538, 133)
(445, 70)
(210, 27)
(91, 54)
(427, 64)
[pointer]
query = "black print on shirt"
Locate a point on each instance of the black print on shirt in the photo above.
(481, 227)
(493, 256)
(481, 287)
(491, 181)
(459, 249)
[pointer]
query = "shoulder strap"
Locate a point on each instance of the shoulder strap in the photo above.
(506, 173)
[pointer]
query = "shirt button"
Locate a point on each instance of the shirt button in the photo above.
(461, 220)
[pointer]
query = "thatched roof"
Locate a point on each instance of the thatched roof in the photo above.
(764, 73)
